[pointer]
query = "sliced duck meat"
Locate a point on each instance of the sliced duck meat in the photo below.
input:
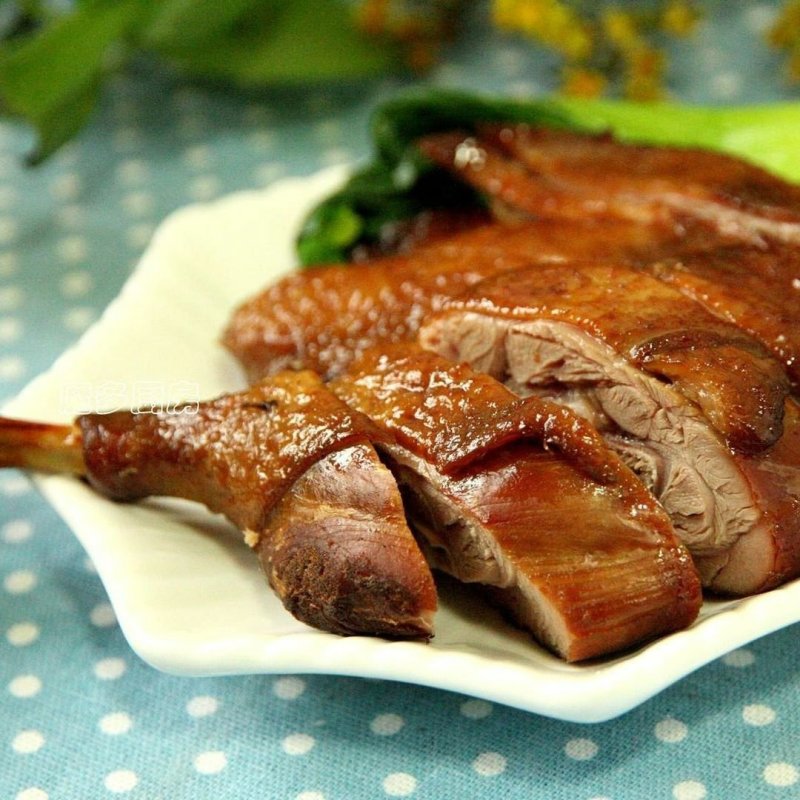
(696, 406)
(339, 554)
(523, 497)
(559, 173)
(320, 318)
(292, 467)
(756, 289)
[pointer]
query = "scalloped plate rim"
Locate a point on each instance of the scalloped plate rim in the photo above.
(578, 693)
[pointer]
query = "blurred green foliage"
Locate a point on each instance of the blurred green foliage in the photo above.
(56, 54)
(55, 57)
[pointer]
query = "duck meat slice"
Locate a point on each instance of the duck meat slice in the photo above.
(292, 467)
(524, 497)
(693, 404)
(559, 173)
(756, 289)
(322, 317)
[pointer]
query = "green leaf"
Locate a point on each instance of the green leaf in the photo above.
(63, 122)
(51, 78)
(765, 134)
(304, 40)
(194, 23)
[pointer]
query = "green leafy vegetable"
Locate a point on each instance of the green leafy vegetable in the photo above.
(52, 79)
(287, 43)
(399, 182)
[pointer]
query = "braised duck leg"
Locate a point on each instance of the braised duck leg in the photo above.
(292, 467)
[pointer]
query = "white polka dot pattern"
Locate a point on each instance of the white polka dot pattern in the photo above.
(689, 790)
(297, 744)
(289, 688)
(202, 706)
(211, 762)
(758, 715)
(27, 742)
(386, 724)
(32, 793)
(116, 723)
(22, 634)
(671, 730)
(109, 669)
(581, 749)
(18, 530)
(780, 773)
(399, 784)
(120, 781)
(739, 658)
(24, 686)
(476, 709)
(489, 764)
(20, 581)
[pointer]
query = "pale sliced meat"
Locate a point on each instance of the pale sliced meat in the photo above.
(337, 551)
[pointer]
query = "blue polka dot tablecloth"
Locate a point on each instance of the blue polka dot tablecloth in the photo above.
(81, 717)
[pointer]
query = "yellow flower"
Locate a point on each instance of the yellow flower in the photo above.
(372, 16)
(786, 30)
(678, 18)
(620, 28)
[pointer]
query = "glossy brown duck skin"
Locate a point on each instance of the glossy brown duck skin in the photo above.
(563, 175)
(524, 496)
(291, 466)
(554, 173)
(756, 289)
(738, 385)
(628, 323)
(320, 318)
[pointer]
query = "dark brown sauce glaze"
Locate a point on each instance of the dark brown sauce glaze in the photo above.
(757, 289)
(321, 318)
(560, 174)
(452, 416)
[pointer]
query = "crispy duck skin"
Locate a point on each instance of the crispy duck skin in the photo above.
(693, 405)
(321, 318)
(291, 466)
(558, 173)
(524, 497)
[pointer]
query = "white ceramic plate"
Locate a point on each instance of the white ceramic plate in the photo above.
(188, 593)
